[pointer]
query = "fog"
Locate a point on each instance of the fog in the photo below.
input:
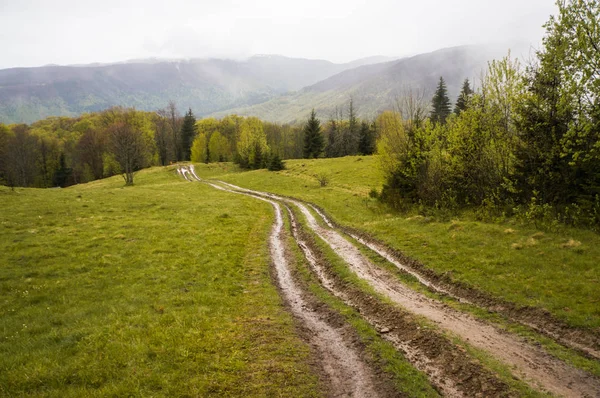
(40, 32)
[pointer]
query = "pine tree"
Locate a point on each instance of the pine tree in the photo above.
(188, 132)
(440, 104)
(313, 137)
(463, 98)
(366, 143)
(332, 131)
(62, 173)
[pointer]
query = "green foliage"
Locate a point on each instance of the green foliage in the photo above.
(366, 141)
(313, 137)
(219, 148)
(275, 163)
(252, 145)
(199, 152)
(463, 98)
(188, 132)
(440, 104)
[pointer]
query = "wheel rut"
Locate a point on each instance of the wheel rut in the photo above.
(450, 374)
(347, 374)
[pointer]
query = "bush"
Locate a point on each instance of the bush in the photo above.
(323, 179)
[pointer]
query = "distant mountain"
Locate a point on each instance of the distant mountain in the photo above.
(377, 87)
(205, 85)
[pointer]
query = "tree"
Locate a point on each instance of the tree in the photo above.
(62, 173)
(162, 136)
(252, 144)
(313, 137)
(174, 124)
(349, 142)
(128, 147)
(275, 163)
(21, 154)
(440, 103)
(218, 147)
(91, 148)
(463, 98)
(332, 136)
(366, 142)
(200, 149)
(188, 132)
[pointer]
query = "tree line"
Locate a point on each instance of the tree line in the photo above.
(525, 143)
(62, 151)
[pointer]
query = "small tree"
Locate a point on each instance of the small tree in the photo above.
(313, 137)
(275, 163)
(463, 98)
(128, 147)
(440, 103)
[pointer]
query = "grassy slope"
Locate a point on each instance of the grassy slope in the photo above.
(162, 289)
(512, 261)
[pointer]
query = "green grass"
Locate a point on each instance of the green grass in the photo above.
(161, 289)
(509, 260)
(406, 378)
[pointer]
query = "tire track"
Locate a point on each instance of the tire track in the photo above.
(347, 374)
(532, 364)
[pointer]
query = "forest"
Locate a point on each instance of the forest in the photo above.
(524, 142)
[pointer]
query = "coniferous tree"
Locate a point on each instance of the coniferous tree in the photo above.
(332, 131)
(351, 142)
(188, 132)
(440, 103)
(62, 174)
(313, 137)
(463, 98)
(366, 142)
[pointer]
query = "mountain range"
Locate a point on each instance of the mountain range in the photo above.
(272, 87)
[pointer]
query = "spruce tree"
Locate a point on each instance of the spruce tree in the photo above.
(440, 103)
(313, 137)
(463, 98)
(366, 142)
(188, 133)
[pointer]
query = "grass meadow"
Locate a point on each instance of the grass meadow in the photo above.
(160, 289)
(557, 271)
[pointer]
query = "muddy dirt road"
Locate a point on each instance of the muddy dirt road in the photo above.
(529, 363)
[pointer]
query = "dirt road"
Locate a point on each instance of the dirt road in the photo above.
(529, 363)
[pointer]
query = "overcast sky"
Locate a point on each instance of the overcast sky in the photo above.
(39, 32)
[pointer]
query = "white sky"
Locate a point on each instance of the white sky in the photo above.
(39, 32)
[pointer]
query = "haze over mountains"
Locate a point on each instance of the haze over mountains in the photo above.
(275, 88)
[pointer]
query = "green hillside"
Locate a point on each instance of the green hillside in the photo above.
(161, 289)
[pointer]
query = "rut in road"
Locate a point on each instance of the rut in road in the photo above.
(531, 363)
(449, 370)
(346, 373)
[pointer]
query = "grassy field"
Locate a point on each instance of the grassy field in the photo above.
(557, 271)
(161, 289)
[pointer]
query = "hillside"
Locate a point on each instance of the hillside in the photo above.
(205, 85)
(378, 87)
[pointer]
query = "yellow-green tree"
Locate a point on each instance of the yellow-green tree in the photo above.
(252, 145)
(200, 149)
(219, 148)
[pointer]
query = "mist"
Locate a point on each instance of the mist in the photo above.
(38, 32)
